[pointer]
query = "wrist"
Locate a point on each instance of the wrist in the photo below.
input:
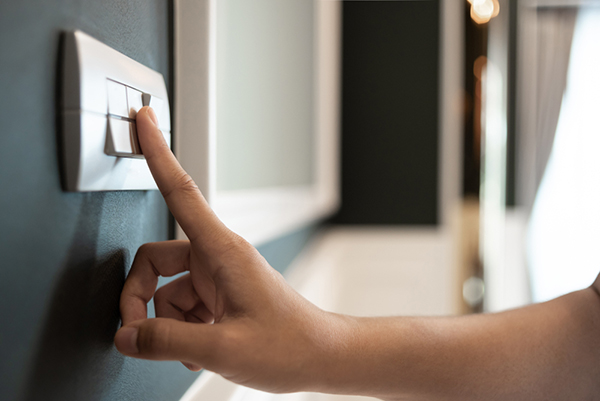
(334, 352)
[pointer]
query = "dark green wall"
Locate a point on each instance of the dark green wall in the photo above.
(390, 112)
(64, 256)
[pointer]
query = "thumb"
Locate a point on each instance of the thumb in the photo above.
(167, 339)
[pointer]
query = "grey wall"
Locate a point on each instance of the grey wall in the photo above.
(64, 256)
(390, 112)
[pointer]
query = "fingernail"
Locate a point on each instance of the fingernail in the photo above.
(192, 366)
(129, 342)
(152, 115)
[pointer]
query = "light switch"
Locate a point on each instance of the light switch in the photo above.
(101, 93)
(117, 98)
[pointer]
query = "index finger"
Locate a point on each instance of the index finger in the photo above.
(182, 195)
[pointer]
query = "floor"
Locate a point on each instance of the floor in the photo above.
(366, 272)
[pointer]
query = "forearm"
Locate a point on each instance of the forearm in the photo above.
(544, 351)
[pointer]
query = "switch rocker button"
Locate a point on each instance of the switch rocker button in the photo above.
(121, 139)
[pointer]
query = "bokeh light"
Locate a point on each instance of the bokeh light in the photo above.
(482, 11)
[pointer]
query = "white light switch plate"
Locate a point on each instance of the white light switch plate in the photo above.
(97, 82)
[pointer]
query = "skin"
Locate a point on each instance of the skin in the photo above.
(265, 335)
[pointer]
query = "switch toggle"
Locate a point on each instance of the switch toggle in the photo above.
(153, 101)
(121, 135)
(146, 99)
(121, 139)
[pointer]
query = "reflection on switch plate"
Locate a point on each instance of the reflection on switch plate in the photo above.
(117, 98)
(102, 92)
(134, 100)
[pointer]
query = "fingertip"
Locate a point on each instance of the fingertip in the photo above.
(146, 117)
(150, 136)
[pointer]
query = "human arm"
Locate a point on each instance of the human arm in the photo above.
(267, 336)
(547, 351)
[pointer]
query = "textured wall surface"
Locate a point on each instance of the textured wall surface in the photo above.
(390, 112)
(64, 256)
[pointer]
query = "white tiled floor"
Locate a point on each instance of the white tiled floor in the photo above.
(366, 272)
(386, 271)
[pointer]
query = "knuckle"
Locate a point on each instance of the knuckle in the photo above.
(218, 347)
(209, 353)
(162, 145)
(187, 184)
(145, 249)
(231, 250)
(142, 250)
(234, 243)
(182, 184)
(154, 339)
(145, 254)
(158, 149)
(160, 295)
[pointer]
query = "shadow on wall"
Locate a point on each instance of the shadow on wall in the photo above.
(83, 316)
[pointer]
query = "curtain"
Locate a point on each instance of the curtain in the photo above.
(563, 235)
(555, 27)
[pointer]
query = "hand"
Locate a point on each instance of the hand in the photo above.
(264, 334)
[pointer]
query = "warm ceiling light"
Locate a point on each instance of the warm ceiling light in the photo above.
(484, 10)
(477, 18)
(496, 8)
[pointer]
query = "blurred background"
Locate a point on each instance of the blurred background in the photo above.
(463, 150)
(419, 157)
(465, 177)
